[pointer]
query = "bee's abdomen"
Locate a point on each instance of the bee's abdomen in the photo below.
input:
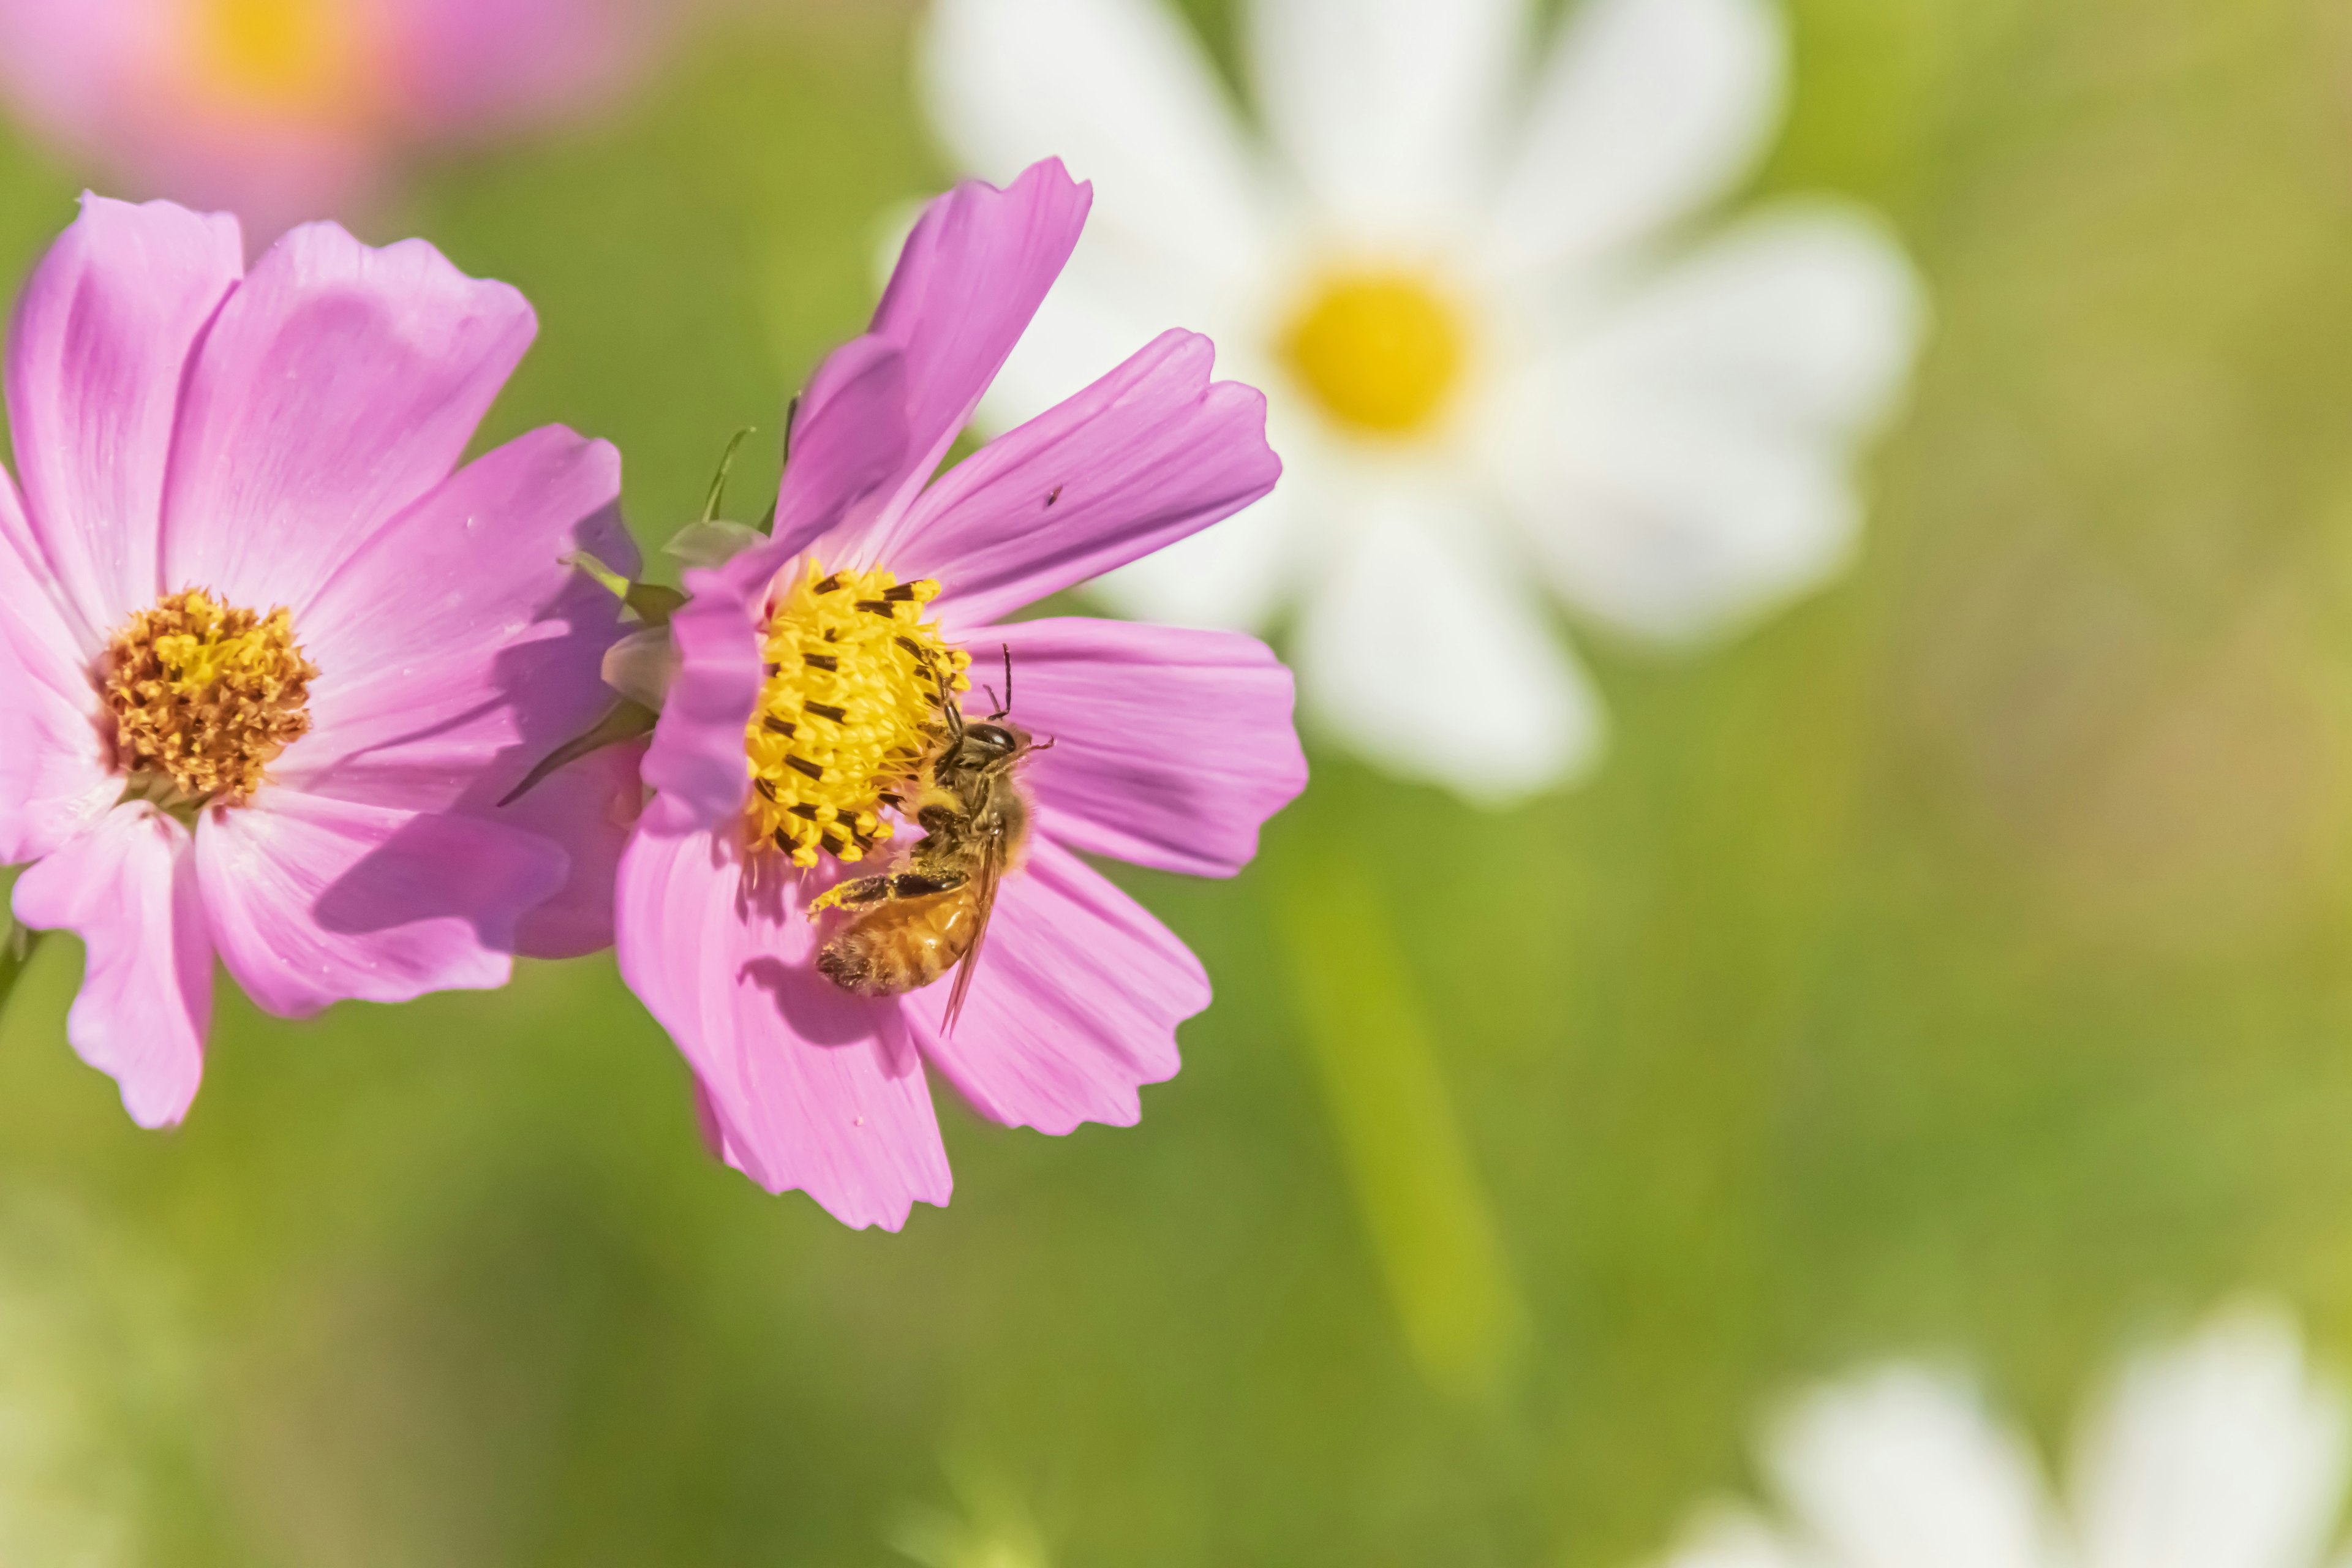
(899, 947)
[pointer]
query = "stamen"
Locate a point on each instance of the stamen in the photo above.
(205, 696)
(850, 706)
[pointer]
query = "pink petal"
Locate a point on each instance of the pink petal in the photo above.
(808, 1086)
(590, 807)
(456, 648)
(102, 333)
(1074, 1005)
(128, 889)
(56, 767)
(1153, 452)
(973, 274)
(339, 385)
(697, 765)
(314, 900)
(849, 440)
(472, 63)
(1171, 745)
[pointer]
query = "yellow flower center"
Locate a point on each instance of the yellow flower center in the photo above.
(305, 58)
(850, 708)
(205, 696)
(1381, 351)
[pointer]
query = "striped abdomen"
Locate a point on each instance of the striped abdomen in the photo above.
(902, 945)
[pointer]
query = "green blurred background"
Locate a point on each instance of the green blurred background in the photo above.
(1962, 961)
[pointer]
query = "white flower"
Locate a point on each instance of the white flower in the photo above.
(2227, 1451)
(1499, 362)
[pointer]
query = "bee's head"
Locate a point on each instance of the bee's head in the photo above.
(986, 742)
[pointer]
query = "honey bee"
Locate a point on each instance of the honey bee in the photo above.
(911, 925)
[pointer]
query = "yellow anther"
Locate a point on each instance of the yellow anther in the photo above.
(850, 707)
(1381, 351)
(205, 694)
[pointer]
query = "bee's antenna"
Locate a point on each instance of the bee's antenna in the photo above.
(1000, 712)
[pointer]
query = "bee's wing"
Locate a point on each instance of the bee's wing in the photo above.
(991, 869)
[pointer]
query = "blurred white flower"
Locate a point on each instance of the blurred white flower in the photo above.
(2226, 1451)
(1499, 362)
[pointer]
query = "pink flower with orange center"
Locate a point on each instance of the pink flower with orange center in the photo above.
(268, 657)
(284, 108)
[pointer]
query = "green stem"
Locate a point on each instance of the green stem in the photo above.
(17, 947)
(1432, 1230)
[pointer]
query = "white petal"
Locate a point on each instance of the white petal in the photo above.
(1232, 576)
(1121, 90)
(1432, 658)
(1105, 305)
(2227, 1452)
(1902, 1469)
(1726, 1537)
(1647, 109)
(1688, 465)
(1388, 108)
(1804, 316)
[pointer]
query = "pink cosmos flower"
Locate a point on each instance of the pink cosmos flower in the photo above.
(266, 660)
(283, 109)
(801, 686)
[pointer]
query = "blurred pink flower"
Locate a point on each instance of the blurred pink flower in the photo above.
(285, 108)
(1170, 747)
(265, 658)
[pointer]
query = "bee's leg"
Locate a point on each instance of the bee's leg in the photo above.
(923, 884)
(865, 892)
(856, 894)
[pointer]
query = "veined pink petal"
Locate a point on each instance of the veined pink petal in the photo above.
(312, 899)
(591, 808)
(456, 648)
(339, 384)
(697, 764)
(849, 440)
(54, 763)
(128, 889)
(809, 1087)
(1153, 452)
(1075, 1002)
(973, 274)
(1171, 746)
(101, 335)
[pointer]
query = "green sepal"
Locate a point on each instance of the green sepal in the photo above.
(17, 947)
(654, 604)
(626, 721)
